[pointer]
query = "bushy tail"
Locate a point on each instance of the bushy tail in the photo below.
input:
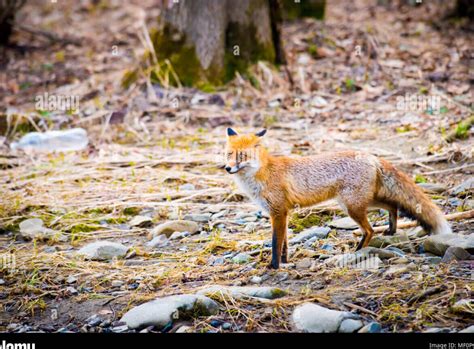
(398, 190)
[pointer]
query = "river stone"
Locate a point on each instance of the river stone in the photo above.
(344, 223)
(373, 327)
(464, 188)
(162, 311)
(438, 244)
(158, 241)
(433, 188)
(469, 329)
(33, 229)
(241, 258)
(378, 252)
(318, 232)
(454, 253)
(399, 240)
(140, 221)
(103, 250)
(266, 292)
(170, 227)
(310, 317)
(202, 218)
(350, 326)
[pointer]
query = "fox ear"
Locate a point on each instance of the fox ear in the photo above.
(231, 132)
(261, 133)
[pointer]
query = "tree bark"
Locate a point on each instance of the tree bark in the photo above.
(207, 41)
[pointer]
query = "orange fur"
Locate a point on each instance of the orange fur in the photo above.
(358, 180)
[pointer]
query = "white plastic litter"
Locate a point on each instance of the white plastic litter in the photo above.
(53, 141)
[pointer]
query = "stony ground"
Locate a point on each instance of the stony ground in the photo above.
(147, 211)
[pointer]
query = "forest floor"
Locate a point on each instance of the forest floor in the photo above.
(156, 155)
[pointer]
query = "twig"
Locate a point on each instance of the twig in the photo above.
(49, 35)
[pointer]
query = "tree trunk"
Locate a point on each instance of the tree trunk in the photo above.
(207, 41)
(293, 9)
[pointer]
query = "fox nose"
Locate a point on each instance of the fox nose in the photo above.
(228, 168)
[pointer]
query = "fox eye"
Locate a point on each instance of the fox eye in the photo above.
(229, 155)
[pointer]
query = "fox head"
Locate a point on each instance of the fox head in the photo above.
(242, 151)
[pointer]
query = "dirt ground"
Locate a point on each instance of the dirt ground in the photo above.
(157, 152)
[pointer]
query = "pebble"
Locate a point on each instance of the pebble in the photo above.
(103, 250)
(170, 227)
(241, 258)
(350, 326)
(313, 318)
(202, 218)
(256, 280)
(158, 241)
(373, 327)
(187, 187)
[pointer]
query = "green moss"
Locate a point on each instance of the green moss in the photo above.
(242, 49)
(298, 223)
(172, 45)
(304, 8)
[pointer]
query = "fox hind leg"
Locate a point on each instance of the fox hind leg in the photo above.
(360, 217)
(392, 221)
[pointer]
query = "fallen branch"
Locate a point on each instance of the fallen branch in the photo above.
(49, 35)
(426, 293)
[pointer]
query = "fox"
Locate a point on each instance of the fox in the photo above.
(357, 180)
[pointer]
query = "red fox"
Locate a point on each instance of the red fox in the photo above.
(357, 180)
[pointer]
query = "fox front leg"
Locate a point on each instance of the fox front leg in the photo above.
(279, 224)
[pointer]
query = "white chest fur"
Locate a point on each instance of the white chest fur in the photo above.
(253, 188)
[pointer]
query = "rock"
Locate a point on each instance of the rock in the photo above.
(162, 311)
(117, 283)
(184, 329)
(94, 320)
(433, 259)
(313, 318)
(71, 279)
(437, 330)
(398, 240)
(464, 188)
(469, 329)
(256, 280)
(344, 223)
(266, 292)
(303, 59)
(226, 326)
(319, 232)
(378, 252)
(141, 221)
(213, 260)
(241, 258)
(158, 241)
(103, 250)
(397, 270)
(433, 188)
(350, 326)
(454, 253)
(170, 227)
(71, 290)
(119, 329)
(33, 229)
(304, 263)
(416, 232)
(202, 218)
(438, 244)
(373, 327)
(187, 187)
(179, 235)
(465, 306)
(250, 227)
